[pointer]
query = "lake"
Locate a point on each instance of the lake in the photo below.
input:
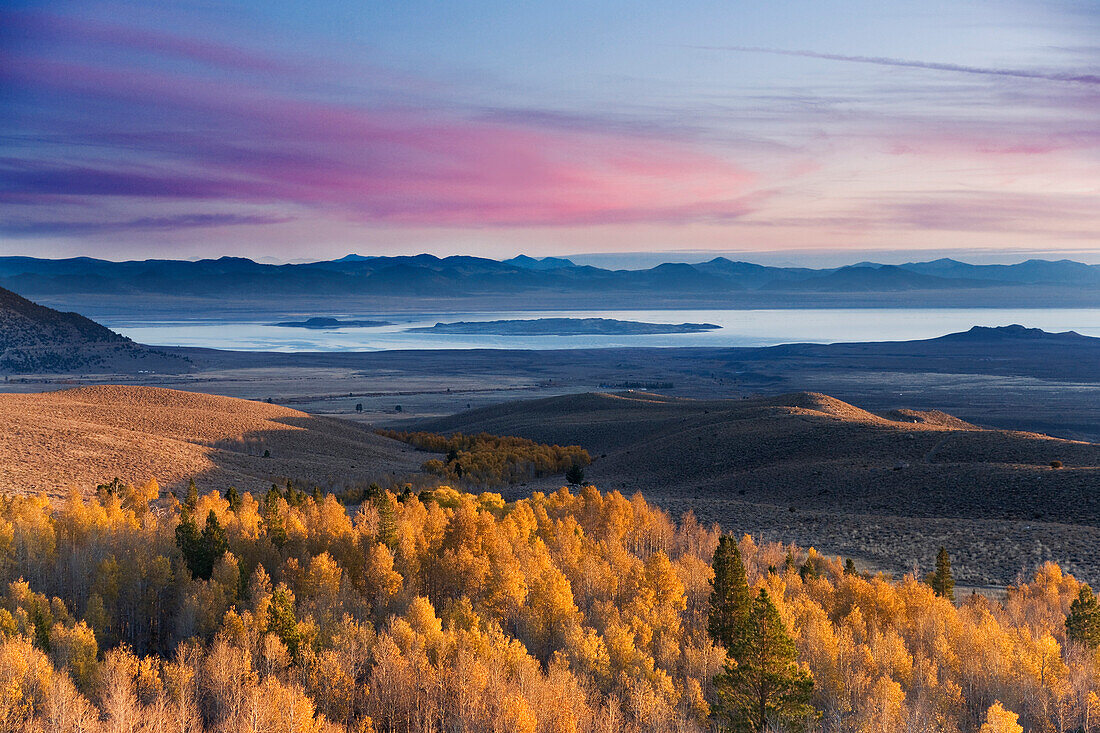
(738, 328)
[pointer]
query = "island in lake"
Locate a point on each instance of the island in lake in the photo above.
(331, 323)
(564, 327)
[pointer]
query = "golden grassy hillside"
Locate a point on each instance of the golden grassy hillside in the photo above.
(83, 437)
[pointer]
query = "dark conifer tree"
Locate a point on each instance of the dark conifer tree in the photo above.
(387, 520)
(274, 525)
(730, 597)
(233, 497)
(942, 582)
(1083, 622)
(192, 495)
(281, 619)
(807, 570)
(214, 544)
(189, 541)
(762, 687)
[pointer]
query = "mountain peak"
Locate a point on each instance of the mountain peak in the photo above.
(527, 262)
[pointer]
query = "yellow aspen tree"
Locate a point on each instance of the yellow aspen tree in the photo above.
(998, 719)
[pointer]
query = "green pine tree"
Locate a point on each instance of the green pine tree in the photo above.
(575, 474)
(274, 526)
(192, 495)
(387, 520)
(1083, 622)
(730, 597)
(942, 582)
(281, 619)
(234, 498)
(762, 684)
(189, 540)
(201, 550)
(214, 544)
(808, 570)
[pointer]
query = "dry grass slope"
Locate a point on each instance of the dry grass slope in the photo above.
(82, 437)
(812, 469)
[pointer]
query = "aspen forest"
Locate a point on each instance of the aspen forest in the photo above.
(570, 612)
(489, 461)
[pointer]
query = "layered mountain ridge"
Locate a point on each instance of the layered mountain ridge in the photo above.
(457, 276)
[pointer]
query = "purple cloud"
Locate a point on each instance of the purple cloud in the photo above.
(187, 137)
(52, 27)
(152, 223)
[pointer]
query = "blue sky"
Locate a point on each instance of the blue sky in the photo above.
(799, 129)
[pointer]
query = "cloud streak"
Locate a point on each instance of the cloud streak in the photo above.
(1090, 79)
(160, 133)
(54, 228)
(114, 126)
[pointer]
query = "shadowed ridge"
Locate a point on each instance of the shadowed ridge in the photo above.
(37, 339)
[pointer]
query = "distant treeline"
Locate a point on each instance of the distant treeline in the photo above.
(491, 460)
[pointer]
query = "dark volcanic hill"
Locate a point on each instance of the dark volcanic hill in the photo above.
(1006, 350)
(37, 339)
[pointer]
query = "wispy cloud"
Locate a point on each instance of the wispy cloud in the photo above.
(159, 133)
(51, 27)
(53, 228)
(1072, 78)
(116, 124)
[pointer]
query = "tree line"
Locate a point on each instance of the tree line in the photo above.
(569, 612)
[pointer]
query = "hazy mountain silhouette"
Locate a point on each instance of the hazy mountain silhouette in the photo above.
(465, 276)
(875, 278)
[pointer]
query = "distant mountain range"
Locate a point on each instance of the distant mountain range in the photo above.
(36, 339)
(427, 276)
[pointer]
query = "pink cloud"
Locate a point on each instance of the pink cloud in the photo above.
(416, 166)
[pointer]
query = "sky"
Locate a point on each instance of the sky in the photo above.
(797, 131)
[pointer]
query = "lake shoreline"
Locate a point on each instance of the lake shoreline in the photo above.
(739, 328)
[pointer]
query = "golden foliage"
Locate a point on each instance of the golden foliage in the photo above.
(564, 612)
(491, 460)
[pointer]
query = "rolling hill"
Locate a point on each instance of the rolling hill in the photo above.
(35, 339)
(55, 441)
(806, 467)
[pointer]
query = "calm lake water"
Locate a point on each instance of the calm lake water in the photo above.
(738, 328)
